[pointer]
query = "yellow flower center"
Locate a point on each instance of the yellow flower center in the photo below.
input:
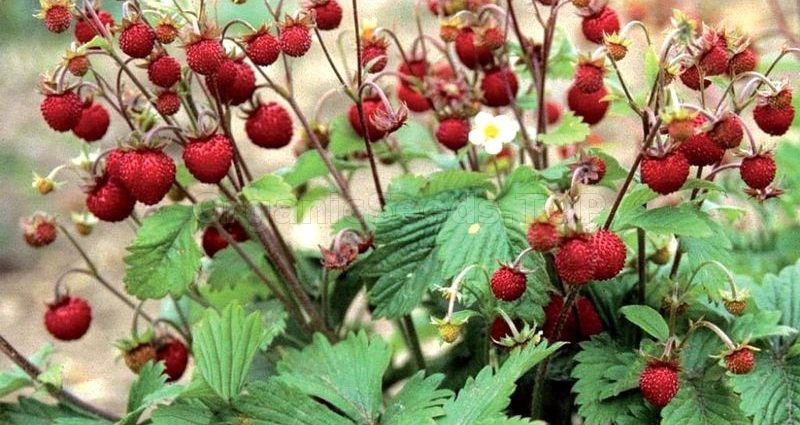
(491, 131)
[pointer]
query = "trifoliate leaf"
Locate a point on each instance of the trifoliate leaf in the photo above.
(770, 394)
(277, 403)
(704, 401)
(418, 402)
(782, 293)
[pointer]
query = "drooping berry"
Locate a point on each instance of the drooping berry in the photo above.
(56, 14)
(262, 47)
(728, 132)
(552, 312)
(659, 382)
(62, 111)
(604, 21)
(68, 318)
(774, 114)
(543, 236)
(508, 284)
(164, 71)
(327, 13)
(204, 55)
(168, 103)
(691, 78)
(269, 126)
(453, 133)
(470, 53)
(740, 361)
(175, 356)
(295, 38)
(109, 200)
(589, 77)
(499, 87)
(758, 171)
(373, 53)
(39, 230)
(589, 321)
(416, 101)
(93, 124)
(85, 30)
(208, 158)
(148, 174)
(213, 241)
(610, 253)
(665, 174)
(588, 106)
(700, 150)
(371, 107)
(576, 261)
(234, 82)
(137, 40)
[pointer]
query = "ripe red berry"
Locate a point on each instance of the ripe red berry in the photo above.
(168, 103)
(269, 126)
(744, 61)
(589, 77)
(164, 71)
(262, 47)
(453, 133)
(552, 311)
(589, 322)
(413, 68)
(472, 55)
(39, 230)
(508, 284)
(62, 111)
(213, 241)
(204, 56)
(605, 21)
(371, 107)
(727, 133)
(741, 361)
(659, 382)
(374, 51)
(758, 171)
(68, 318)
(665, 174)
(499, 87)
(295, 39)
(416, 101)
(328, 14)
(553, 112)
(588, 106)
(85, 30)
(610, 252)
(78, 65)
(543, 236)
(208, 158)
(700, 150)
(774, 114)
(137, 40)
(166, 32)
(148, 174)
(109, 200)
(500, 329)
(691, 78)
(714, 61)
(93, 124)
(57, 18)
(175, 356)
(234, 82)
(576, 261)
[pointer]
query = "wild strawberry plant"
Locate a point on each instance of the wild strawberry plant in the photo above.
(507, 299)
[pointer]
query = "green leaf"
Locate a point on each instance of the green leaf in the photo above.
(485, 396)
(347, 375)
(164, 258)
(273, 316)
(771, 392)
(182, 414)
(648, 319)
(343, 140)
(614, 170)
(270, 190)
(759, 325)
(563, 56)
(528, 101)
(16, 378)
(309, 198)
(702, 184)
(228, 269)
(28, 411)
(310, 165)
(224, 347)
(418, 402)
(608, 381)
(703, 402)
(631, 206)
(684, 219)
(571, 129)
(452, 180)
(277, 403)
(150, 380)
(782, 293)
(416, 141)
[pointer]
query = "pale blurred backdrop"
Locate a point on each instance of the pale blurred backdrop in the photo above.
(26, 144)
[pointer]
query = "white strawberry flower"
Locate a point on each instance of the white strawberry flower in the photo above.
(492, 132)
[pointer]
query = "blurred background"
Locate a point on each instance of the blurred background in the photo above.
(27, 145)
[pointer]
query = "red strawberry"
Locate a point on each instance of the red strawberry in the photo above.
(148, 174)
(57, 15)
(744, 61)
(500, 329)
(327, 13)
(371, 106)
(262, 47)
(588, 106)
(665, 174)
(727, 133)
(214, 242)
(543, 236)
(114, 161)
(137, 356)
(414, 68)
(85, 30)
(62, 111)
(590, 168)
(374, 51)
(604, 21)
(109, 200)
(137, 40)
(295, 38)
(68, 318)
(416, 101)
(700, 150)
(589, 77)
(205, 55)
(492, 37)
(208, 158)
(589, 322)
(758, 171)
(610, 251)
(774, 114)
(740, 361)
(714, 61)
(576, 261)
(39, 230)
(691, 78)
(234, 82)
(269, 126)
(508, 284)
(168, 103)
(569, 330)
(175, 356)
(553, 112)
(166, 31)
(499, 87)
(659, 382)
(93, 124)
(78, 65)
(164, 71)
(453, 133)
(472, 55)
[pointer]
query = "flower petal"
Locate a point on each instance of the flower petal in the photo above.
(477, 137)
